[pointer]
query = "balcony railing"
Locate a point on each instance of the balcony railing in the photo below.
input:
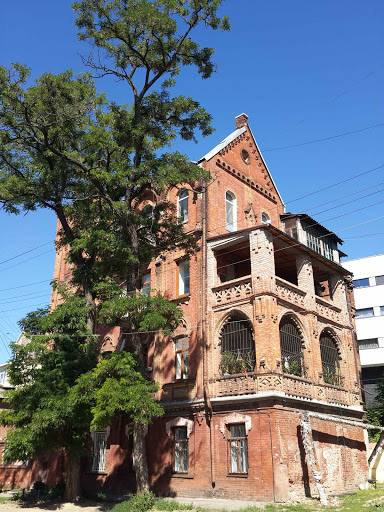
(327, 310)
(232, 291)
(253, 383)
(289, 292)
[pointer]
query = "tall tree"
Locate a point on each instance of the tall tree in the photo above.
(145, 44)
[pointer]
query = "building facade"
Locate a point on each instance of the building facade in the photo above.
(267, 335)
(368, 280)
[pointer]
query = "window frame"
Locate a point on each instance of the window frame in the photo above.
(180, 265)
(100, 457)
(184, 355)
(357, 316)
(180, 199)
(181, 446)
(231, 203)
(378, 277)
(366, 279)
(145, 286)
(239, 449)
(292, 361)
(374, 343)
(263, 217)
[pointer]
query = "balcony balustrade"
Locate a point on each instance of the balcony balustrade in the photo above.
(232, 291)
(289, 292)
(253, 383)
(327, 310)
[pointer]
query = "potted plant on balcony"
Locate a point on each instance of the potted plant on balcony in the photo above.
(227, 363)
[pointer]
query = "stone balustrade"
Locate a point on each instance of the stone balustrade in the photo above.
(232, 291)
(254, 383)
(289, 292)
(327, 310)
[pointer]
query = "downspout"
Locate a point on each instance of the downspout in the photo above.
(204, 292)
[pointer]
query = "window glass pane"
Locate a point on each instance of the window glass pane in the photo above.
(265, 218)
(363, 313)
(381, 310)
(180, 433)
(185, 364)
(230, 213)
(177, 457)
(360, 283)
(178, 365)
(185, 457)
(182, 206)
(183, 277)
(146, 284)
(182, 344)
(234, 457)
(244, 455)
(379, 279)
(99, 451)
(367, 344)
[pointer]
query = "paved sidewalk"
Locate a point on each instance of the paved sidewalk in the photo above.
(218, 504)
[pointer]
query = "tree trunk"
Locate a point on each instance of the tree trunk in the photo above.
(140, 453)
(72, 483)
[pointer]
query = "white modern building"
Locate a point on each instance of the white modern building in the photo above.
(368, 278)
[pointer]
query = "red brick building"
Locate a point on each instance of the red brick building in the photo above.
(267, 334)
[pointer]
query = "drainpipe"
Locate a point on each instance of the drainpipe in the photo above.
(204, 293)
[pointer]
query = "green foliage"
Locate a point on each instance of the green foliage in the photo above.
(115, 388)
(332, 377)
(171, 505)
(43, 372)
(232, 363)
(375, 416)
(293, 368)
(140, 502)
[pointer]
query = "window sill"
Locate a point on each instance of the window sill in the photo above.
(237, 475)
(179, 383)
(97, 473)
(182, 298)
(182, 475)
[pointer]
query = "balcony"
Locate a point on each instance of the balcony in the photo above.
(289, 292)
(327, 310)
(232, 291)
(257, 383)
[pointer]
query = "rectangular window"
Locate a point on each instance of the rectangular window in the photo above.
(361, 283)
(145, 288)
(3, 377)
(379, 280)
(182, 358)
(367, 344)
(238, 449)
(181, 450)
(183, 281)
(381, 310)
(364, 313)
(99, 450)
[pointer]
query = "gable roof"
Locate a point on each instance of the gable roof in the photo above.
(228, 140)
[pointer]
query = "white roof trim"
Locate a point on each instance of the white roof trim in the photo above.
(223, 143)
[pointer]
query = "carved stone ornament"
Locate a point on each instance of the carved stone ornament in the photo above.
(179, 422)
(107, 430)
(109, 344)
(269, 382)
(233, 418)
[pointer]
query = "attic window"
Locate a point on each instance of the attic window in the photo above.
(245, 156)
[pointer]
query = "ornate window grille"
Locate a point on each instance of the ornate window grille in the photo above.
(237, 346)
(330, 360)
(99, 450)
(291, 345)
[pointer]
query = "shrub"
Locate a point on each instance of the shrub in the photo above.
(141, 502)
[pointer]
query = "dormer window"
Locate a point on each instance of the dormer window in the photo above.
(182, 206)
(230, 211)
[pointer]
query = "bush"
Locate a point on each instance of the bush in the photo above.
(170, 505)
(137, 503)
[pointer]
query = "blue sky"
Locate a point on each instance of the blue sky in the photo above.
(302, 71)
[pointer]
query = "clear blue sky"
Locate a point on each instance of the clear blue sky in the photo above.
(282, 62)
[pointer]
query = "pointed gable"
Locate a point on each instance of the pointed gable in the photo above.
(239, 155)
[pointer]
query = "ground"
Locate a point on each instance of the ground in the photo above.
(364, 501)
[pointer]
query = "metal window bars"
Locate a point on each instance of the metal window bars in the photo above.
(291, 346)
(237, 347)
(330, 360)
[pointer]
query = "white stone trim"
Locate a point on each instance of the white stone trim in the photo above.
(179, 422)
(233, 418)
(107, 430)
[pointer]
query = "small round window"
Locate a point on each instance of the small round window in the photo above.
(245, 156)
(265, 218)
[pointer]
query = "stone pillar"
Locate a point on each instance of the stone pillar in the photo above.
(339, 296)
(267, 339)
(306, 283)
(212, 278)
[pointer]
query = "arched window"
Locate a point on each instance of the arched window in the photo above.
(330, 360)
(182, 206)
(148, 211)
(237, 346)
(230, 211)
(291, 346)
(265, 218)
